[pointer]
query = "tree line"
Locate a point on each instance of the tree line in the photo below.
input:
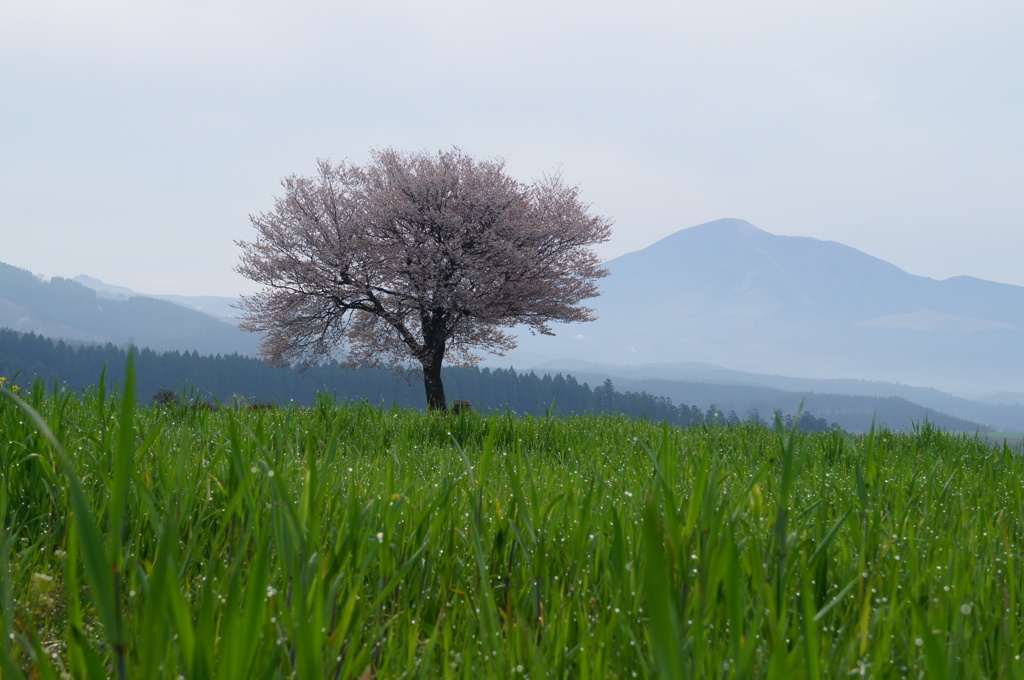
(234, 378)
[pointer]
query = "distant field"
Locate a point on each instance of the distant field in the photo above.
(344, 541)
(1011, 439)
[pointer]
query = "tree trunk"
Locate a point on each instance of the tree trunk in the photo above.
(435, 388)
(434, 339)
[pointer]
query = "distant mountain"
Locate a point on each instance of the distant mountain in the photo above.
(63, 308)
(219, 307)
(730, 294)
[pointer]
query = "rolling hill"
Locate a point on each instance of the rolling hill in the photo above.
(63, 308)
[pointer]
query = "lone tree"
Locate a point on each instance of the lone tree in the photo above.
(416, 257)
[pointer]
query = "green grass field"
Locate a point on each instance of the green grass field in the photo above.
(343, 541)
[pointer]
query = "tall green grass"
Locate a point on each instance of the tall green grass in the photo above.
(343, 541)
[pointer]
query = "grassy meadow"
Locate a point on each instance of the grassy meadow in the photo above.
(346, 541)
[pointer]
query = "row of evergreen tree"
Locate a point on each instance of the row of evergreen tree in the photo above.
(230, 378)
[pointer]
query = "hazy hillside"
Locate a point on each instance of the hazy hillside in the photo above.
(730, 294)
(214, 305)
(741, 391)
(62, 308)
(854, 412)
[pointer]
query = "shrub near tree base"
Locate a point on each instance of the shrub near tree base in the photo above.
(167, 399)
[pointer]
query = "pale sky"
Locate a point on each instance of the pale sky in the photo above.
(137, 136)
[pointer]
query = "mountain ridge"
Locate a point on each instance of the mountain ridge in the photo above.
(730, 294)
(219, 307)
(64, 308)
(696, 381)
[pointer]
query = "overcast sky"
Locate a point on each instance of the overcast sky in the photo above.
(137, 137)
